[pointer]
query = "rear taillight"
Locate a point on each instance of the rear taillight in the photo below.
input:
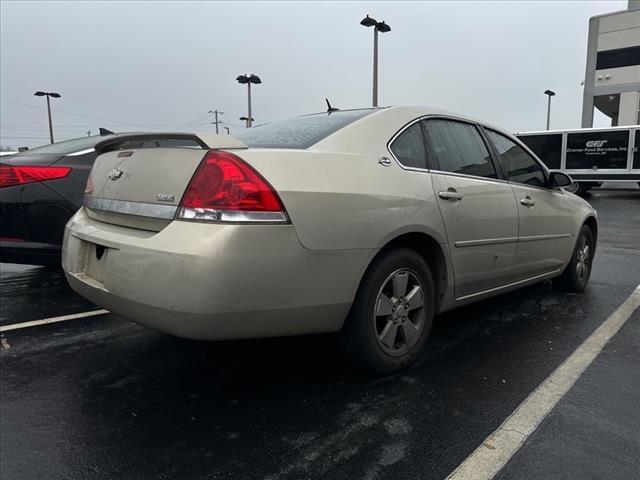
(225, 188)
(16, 175)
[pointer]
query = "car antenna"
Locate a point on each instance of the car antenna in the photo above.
(104, 131)
(330, 108)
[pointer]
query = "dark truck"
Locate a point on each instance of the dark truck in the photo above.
(589, 155)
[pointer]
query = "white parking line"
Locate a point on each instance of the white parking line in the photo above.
(63, 318)
(501, 445)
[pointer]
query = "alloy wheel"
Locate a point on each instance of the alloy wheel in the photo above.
(399, 313)
(583, 255)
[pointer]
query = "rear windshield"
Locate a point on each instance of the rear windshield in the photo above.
(300, 132)
(69, 146)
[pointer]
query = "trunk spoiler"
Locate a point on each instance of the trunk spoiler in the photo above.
(206, 141)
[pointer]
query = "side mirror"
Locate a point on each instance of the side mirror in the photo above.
(559, 179)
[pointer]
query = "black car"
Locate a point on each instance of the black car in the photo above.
(40, 189)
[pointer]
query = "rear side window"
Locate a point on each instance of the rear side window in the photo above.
(518, 165)
(548, 148)
(457, 147)
(409, 147)
(300, 132)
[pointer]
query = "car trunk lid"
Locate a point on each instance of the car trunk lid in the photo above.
(138, 180)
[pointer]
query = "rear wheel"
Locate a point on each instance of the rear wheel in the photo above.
(392, 314)
(576, 275)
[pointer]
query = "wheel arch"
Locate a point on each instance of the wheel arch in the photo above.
(592, 223)
(429, 249)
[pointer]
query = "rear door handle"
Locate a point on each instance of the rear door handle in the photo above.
(450, 194)
(527, 202)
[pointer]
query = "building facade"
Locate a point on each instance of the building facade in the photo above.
(612, 78)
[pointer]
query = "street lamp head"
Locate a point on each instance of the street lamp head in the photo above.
(39, 94)
(244, 119)
(254, 79)
(368, 22)
(551, 93)
(242, 79)
(55, 95)
(383, 27)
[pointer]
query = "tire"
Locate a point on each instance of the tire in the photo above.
(576, 274)
(386, 343)
(577, 188)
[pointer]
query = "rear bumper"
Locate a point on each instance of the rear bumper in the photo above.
(213, 281)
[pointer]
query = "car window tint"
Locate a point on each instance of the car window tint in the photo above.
(517, 163)
(458, 147)
(409, 147)
(300, 132)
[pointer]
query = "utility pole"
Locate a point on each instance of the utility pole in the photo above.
(216, 113)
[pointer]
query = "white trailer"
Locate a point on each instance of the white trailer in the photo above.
(589, 155)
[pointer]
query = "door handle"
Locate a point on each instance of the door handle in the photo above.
(527, 202)
(450, 194)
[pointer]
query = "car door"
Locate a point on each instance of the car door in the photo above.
(545, 239)
(477, 207)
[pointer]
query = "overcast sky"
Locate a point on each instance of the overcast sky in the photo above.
(161, 65)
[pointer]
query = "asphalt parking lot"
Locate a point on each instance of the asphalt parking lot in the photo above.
(100, 397)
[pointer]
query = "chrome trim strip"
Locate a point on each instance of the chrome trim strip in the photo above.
(153, 210)
(498, 241)
(486, 241)
(81, 152)
(474, 177)
(508, 285)
(230, 216)
(533, 238)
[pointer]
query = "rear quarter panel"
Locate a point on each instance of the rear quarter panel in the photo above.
(348, 200)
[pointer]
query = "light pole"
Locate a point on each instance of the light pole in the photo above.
(249, 79)
(549, 93)
(48, 94)
(382, 28)
(246, 120)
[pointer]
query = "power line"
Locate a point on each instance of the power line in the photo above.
(74, 114)
(185, 125)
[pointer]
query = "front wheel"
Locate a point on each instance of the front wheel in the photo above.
(577, 188)
(392, 314)
(576, 274)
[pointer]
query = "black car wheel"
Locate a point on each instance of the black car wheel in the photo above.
(576, 274)
(392, 314)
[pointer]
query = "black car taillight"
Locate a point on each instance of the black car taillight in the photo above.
(11, 176)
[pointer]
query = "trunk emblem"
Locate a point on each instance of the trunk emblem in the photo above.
(165, 197)
(115, 174)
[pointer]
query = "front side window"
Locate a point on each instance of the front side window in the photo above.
(458, 148)
(409, 147)
(518, 165)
